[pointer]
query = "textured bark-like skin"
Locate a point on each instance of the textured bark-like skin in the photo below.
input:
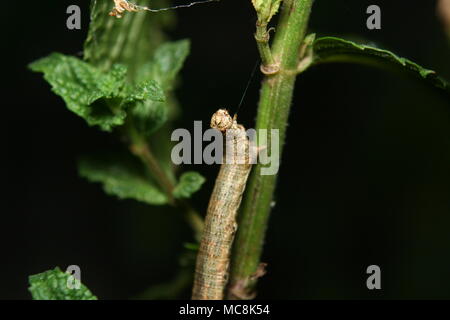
(211, 272)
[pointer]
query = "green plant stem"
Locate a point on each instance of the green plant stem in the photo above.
(273, 110)
(262, 38)
(140, 148)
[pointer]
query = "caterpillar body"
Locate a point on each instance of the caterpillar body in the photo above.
(211, 273)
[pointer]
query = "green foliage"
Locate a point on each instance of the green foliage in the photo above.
(331, 49)
(104, 92)
(130, 40)
(122, 177)
(266, 9)
(165, 63)
(123, 82)
(163, 67)
(53, 285)
(126, 79)
(101, 98)
(190, 182)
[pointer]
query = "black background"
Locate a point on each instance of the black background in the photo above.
(364, 180)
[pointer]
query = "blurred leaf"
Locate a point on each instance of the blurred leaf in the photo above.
(121, 178)
(166, 63)
(190, 182)
(331, 49)
(149, 116)
(133, 41)
(191, 246)
(52, 285)
(130, 41)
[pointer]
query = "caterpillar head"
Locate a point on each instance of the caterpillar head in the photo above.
(221, 120)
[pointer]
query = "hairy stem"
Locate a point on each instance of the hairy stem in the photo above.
(262, 37)
(273, 110)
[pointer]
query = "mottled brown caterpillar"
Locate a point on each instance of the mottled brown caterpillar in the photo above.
(211, 272)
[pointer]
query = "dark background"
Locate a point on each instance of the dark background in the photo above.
(364, 180)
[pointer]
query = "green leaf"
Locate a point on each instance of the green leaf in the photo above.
(123, 178)
(331, 49)
(134, 41)
(101, 98)
(166, 63)
(266, 9)
(110, 83)
(190, 182)
(86, 91)
(150, 115)
(147, 90)
(53, 285)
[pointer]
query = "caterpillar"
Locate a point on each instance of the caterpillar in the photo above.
(211, 271)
